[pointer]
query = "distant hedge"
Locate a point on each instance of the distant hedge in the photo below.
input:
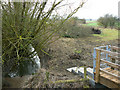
(109, 21)
(74, 31)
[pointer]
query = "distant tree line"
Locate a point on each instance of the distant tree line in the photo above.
(76, 20)
(109, 21)
(74, 28)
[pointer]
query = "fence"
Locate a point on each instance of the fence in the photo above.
(106, 64)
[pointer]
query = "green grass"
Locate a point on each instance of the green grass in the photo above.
(108, 34)
(92, 23)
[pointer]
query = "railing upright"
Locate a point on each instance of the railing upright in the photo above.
(94, 62)
(97, 66)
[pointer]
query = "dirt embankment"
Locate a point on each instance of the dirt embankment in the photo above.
(66, 53)
(69, 52)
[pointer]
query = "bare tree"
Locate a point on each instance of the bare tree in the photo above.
(28, 23)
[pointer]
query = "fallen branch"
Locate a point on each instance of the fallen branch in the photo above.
(67, 81)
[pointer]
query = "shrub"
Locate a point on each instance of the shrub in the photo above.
(117, 25)
(75, 31)
(24, 24)
(107, 21)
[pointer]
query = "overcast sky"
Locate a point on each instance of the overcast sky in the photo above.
(93, 9)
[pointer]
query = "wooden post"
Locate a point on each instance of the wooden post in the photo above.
(85, 74)
(97, 66)
(113, 59)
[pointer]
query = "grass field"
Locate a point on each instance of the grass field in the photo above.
(108, 34)
(91, 23)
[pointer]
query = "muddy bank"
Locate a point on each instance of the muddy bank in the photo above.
(65, 53)
(69, 52)
(48, 79)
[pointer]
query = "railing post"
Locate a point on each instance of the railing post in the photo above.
(113, 59)
(108, 49)
(97, 66)
(85, 72)
(107, 56)
(94, 62)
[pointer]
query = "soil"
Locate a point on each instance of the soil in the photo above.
(72, 52)
(66, 53)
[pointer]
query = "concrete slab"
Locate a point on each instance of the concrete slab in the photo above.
(80, 71)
